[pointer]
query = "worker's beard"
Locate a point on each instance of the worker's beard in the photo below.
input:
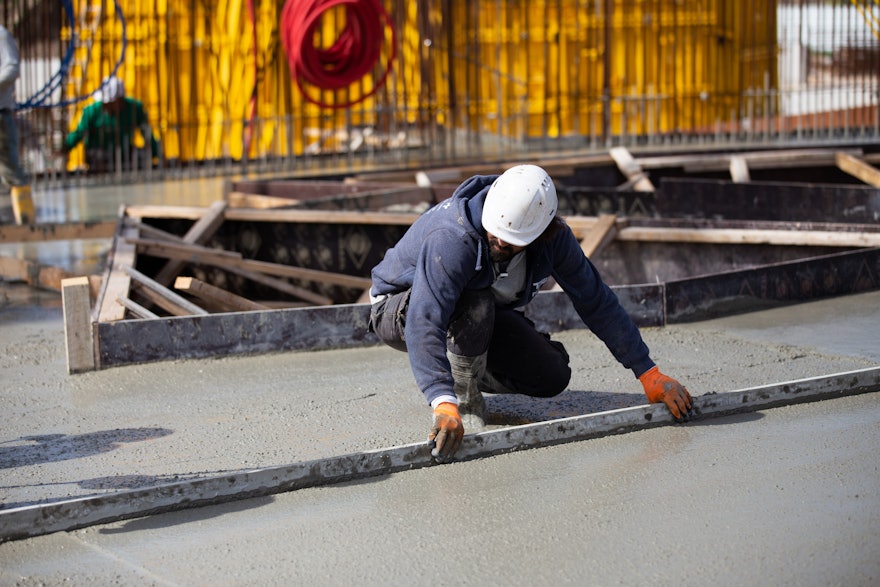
(500, 254)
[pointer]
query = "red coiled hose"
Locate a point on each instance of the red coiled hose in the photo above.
(356, 51)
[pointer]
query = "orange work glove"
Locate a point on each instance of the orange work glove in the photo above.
(662, 388)
(446, 434)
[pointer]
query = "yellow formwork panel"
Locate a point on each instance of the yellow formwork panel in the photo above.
(518, 69)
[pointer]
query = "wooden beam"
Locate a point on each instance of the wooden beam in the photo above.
(756, 159)
(729, 236)
(160, 301)
(631, 169)
(198, 234)
(117, 282)
(282, 286)
(49, 232)
(244, 200)
(364, 298)
(739, 169)
(282, 215)
(77, 324)
(600, 235)
(159, 294)
(182, 251)
(136, 309)
(33, 273)
(226, 301)
(858, 169)
(340, 279)
(231, 259)
(151, 231)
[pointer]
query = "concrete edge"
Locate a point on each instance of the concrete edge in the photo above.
(59, 516)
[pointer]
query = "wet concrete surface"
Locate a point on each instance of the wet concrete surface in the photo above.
(782, 496)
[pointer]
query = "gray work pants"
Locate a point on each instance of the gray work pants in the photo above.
(519, 357)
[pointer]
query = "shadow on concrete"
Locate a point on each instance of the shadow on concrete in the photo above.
(51, 448)
(187, 516)
(515, 410)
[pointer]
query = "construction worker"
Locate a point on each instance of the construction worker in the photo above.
(10, 166)
(108, 126)
(448, 293)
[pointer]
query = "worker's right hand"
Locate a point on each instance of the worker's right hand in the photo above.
(447, 432)
(662, 388)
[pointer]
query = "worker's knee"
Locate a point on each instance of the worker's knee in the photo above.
(470, 329)
(553, 381)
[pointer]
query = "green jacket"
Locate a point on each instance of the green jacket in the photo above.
(98, 129)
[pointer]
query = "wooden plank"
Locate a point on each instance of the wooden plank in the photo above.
(49, 232)
(340, 279)
(858, 169)
(229, 260)
(136, 309)
(151, 231)
(75, 298)
(199, 233)
(283, 215)
(177, 302)
(117, 282)
(261, 202)
(33, 273)
(600, 235)
(739, 169)
(282, 286)
(631, 169)
(750, 236)
(783, 158)
(156, 299)
(216, 296)
(181, 251)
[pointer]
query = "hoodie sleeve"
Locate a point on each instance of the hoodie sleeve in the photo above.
(597, 304)
(445, 264)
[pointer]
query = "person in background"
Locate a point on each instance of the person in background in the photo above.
(449, 293)
(10, 165)
(107, 129)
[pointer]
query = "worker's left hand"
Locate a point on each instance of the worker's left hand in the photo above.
(662, 388)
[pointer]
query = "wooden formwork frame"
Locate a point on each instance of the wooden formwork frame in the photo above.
(192, 332)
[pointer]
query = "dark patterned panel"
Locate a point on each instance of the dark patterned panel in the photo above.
(767, 286)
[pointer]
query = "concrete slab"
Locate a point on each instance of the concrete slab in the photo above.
(780, 496)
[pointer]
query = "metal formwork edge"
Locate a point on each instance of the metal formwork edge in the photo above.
(39, 519)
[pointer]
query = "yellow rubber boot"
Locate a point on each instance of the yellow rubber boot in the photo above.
(22, 204)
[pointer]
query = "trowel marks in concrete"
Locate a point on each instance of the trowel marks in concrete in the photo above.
(76, 513)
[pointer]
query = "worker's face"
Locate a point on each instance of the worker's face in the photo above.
(500, 251)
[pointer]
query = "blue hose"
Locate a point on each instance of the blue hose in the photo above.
(38, 100)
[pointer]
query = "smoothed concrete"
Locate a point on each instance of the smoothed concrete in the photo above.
(780, 496)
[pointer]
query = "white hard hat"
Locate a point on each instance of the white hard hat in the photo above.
(520, 205)
(112, 89)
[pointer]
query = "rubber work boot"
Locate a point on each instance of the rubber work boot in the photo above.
(467, 372)
(490, 384)
(22, 204)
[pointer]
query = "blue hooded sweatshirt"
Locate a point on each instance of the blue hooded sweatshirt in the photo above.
(446, 251)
